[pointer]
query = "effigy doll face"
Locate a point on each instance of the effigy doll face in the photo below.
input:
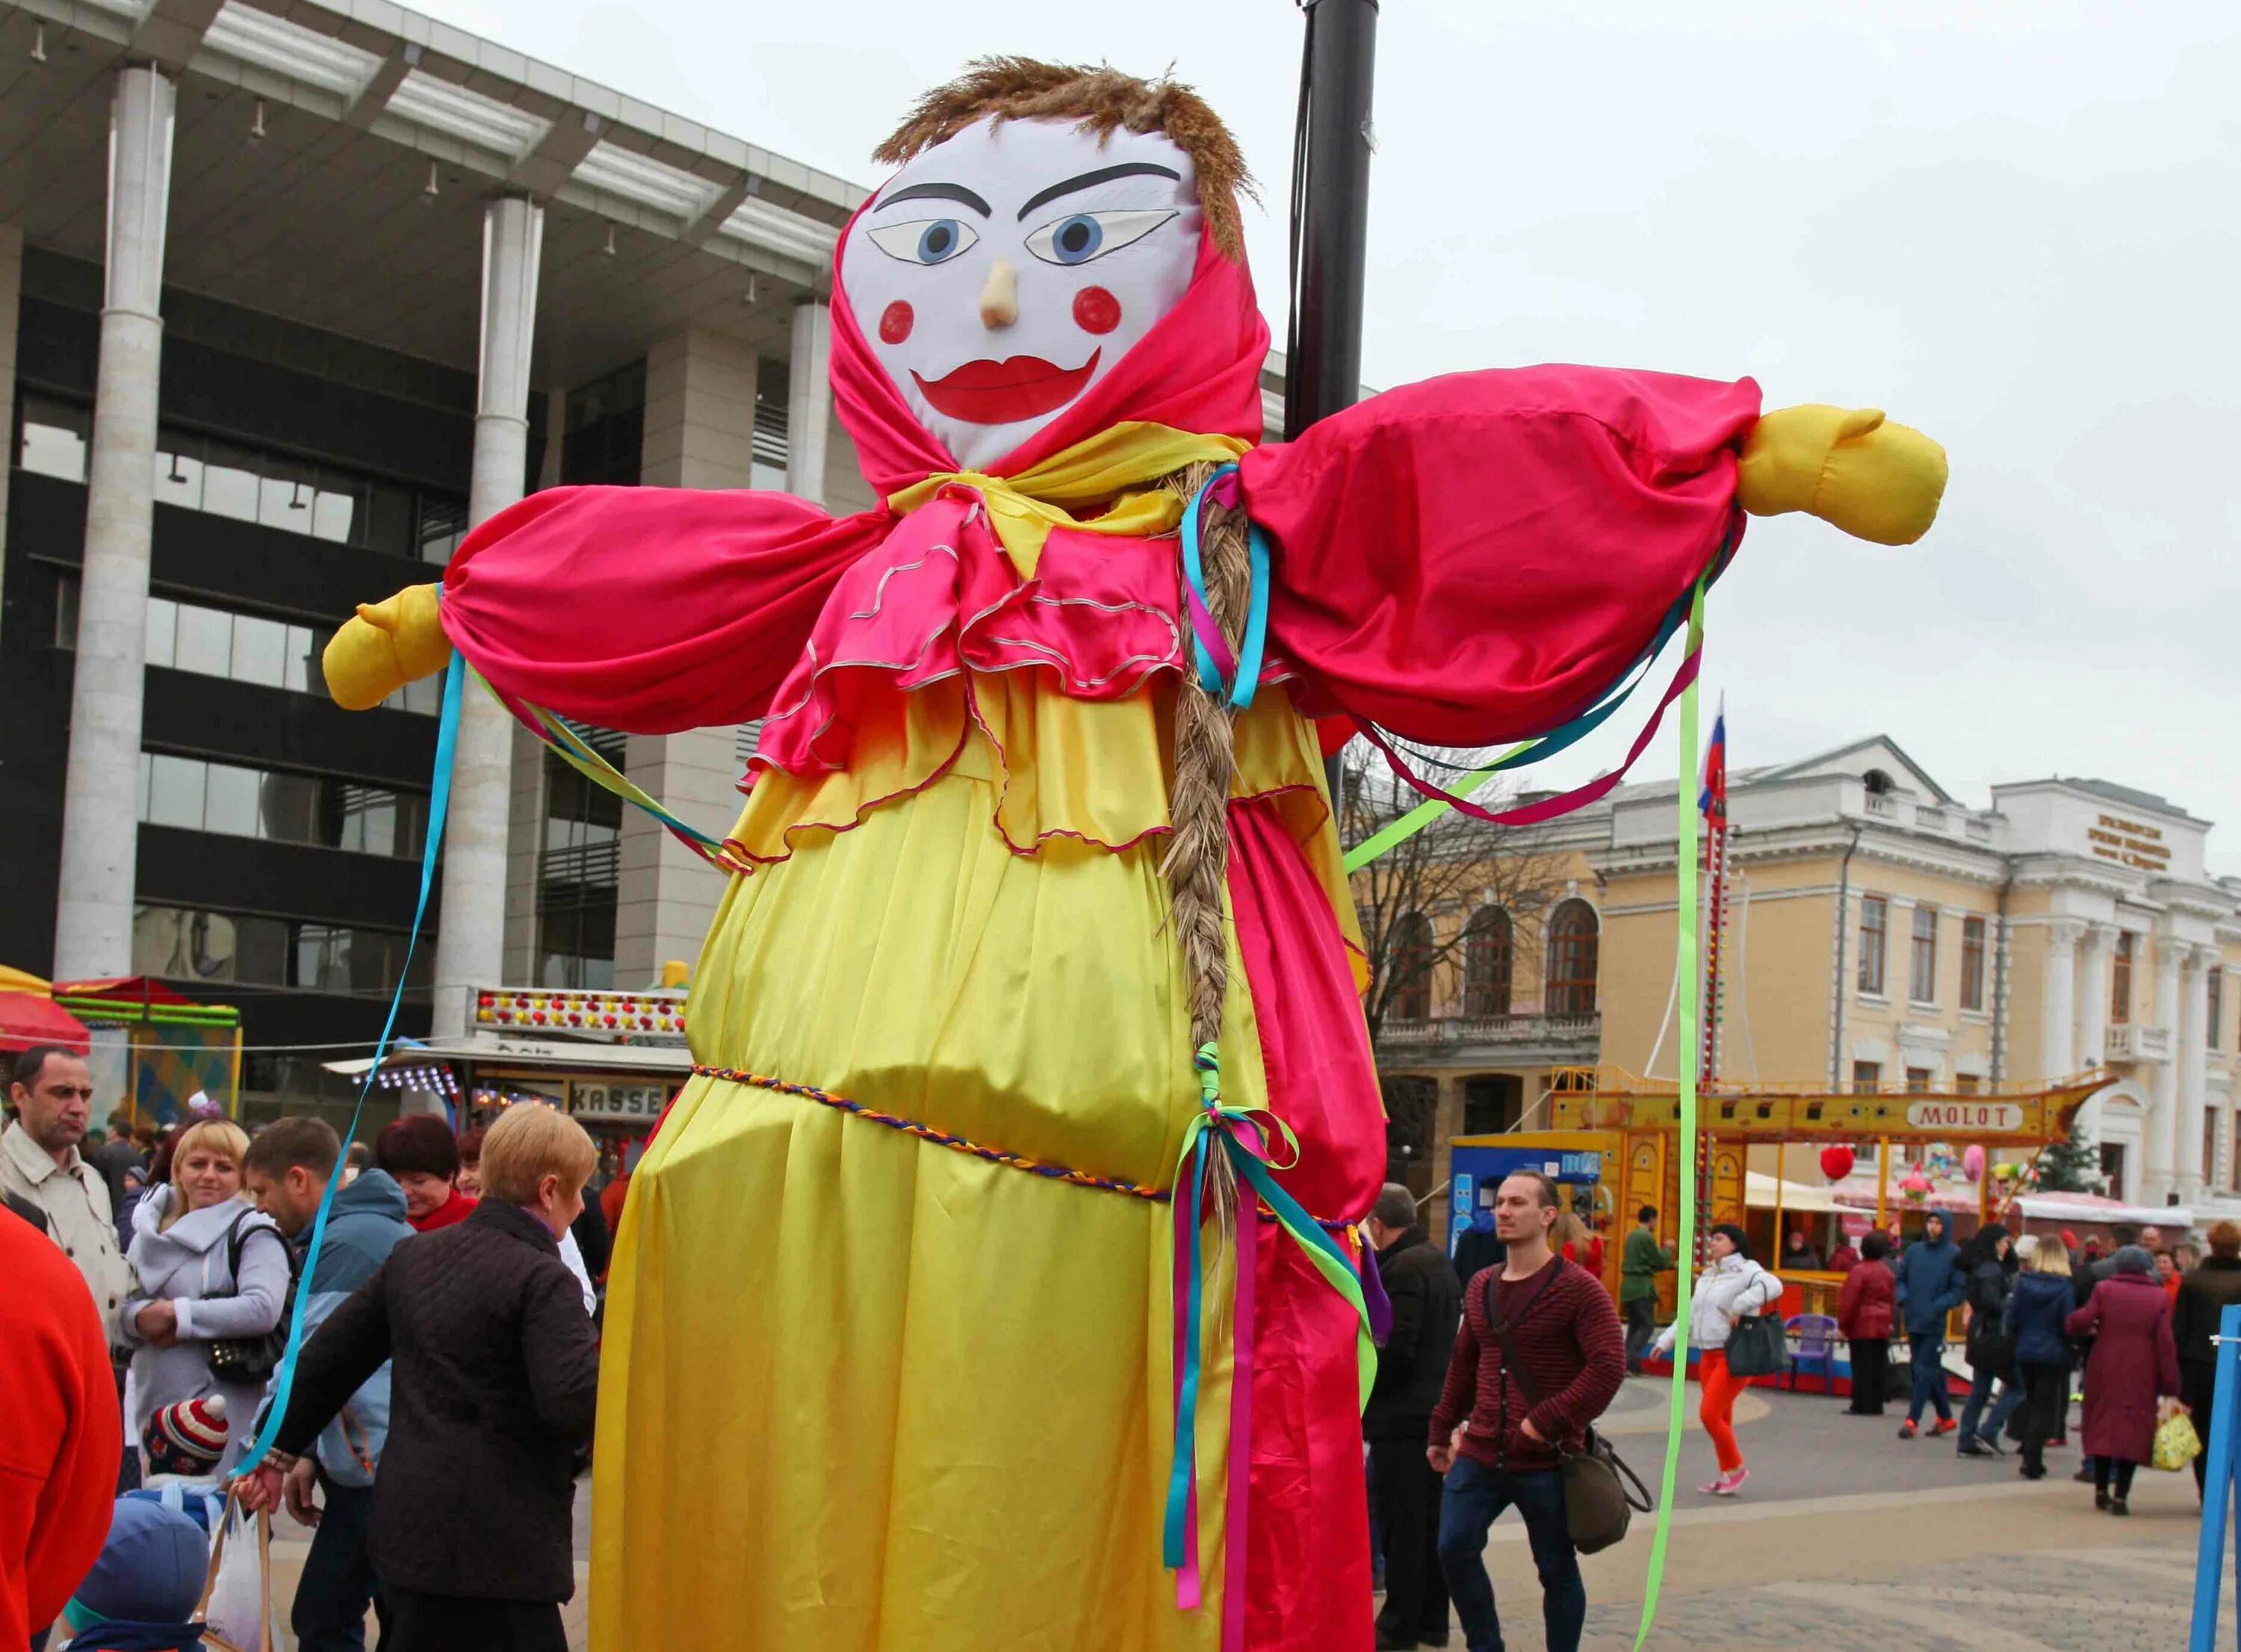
(1002, 273)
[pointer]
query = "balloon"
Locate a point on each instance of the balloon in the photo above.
(1972, 1162)
(1835, 1163)
(1916, 1186)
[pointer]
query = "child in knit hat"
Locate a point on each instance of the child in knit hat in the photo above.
(145, 1585)
(184, 1439)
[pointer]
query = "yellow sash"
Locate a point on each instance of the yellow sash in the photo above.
(1023, 508)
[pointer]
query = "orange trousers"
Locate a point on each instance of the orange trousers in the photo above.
(1716, 1409)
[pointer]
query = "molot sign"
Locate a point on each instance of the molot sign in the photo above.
(1965, 1117)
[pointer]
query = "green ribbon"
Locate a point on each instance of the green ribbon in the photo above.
(1396, 832)
(1689, 961)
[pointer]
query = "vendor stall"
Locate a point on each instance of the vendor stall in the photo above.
(612, 1061)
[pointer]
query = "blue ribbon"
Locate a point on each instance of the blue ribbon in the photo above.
(440, 797)
(1256, 613)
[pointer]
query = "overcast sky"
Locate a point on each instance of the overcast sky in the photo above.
(2011, 224)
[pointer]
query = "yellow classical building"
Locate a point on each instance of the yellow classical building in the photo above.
(1879, 934)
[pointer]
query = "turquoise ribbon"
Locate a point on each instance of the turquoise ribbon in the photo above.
(440, 798)
(1254, 645)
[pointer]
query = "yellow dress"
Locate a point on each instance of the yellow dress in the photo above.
(865, 1391)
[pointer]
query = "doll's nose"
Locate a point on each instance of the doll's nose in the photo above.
(1000, 295)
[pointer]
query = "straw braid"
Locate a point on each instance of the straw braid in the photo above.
(1197, 863)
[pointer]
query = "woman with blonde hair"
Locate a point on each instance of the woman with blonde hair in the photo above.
(2034, 1317)
(494, 1372)
(211, 1269)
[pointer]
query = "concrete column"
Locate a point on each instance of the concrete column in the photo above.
(2163, 1148)
(699, 432)
(2191, 1060)
(11, 295)
(808, 400)
(2093, 1019)
(93, 913)
(2059, 1034)
(1447, 1124)
(471, 936)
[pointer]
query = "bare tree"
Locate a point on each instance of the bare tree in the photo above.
(1414, 903)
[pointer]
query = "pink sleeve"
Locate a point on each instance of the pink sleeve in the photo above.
(1478, 558)
(647, 609)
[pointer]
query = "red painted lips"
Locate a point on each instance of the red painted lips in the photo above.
(1004, 392)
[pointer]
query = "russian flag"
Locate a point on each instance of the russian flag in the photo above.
(1712, 796)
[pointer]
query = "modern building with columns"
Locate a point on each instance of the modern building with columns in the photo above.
(1882, 934)
(291, 294)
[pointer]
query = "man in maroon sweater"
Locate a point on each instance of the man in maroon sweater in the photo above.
(1496, 1432)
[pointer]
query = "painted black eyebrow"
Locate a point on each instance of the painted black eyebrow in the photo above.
(939, 192)
(1102, 175)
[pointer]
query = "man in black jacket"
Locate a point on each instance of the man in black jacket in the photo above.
(1427, 1300)
(494, 1377)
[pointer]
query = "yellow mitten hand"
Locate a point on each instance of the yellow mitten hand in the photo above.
(392, 643)
(1875, 480)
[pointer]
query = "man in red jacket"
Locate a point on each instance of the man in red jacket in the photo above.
(1570, 1358)
(59, 1453)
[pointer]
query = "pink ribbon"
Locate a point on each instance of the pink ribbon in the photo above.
(1241, 1430)
(1564, 803)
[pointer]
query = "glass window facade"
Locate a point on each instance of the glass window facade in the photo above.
(188, 944)
(221, 477)
(579, 870)
(196, 795)
(245, 648)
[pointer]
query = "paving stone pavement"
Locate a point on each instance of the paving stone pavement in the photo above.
(1846, 1540)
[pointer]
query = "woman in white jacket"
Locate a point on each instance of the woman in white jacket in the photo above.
(187, 1234)
(1731, 1286)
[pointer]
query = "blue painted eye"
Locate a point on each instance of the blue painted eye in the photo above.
(1084, 236)
(938, 242)
(1076, 240)
(923, 241)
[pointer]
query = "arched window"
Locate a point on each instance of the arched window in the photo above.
(1486, 963)
(1572, 959)
(1412, 968)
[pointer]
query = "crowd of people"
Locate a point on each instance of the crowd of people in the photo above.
(2132, 1323)
(444, 1393)
(447, 1380)
(1502, 1361)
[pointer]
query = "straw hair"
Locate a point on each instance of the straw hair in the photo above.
(2051, 1256)
(220, 1136)
(1197, 863)
(1098, 100)
(530, 1143)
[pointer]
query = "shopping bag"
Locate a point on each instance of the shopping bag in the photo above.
(2177, 1444)
(237, 1605)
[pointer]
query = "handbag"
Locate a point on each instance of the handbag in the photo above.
(2177, 1444)
(252, 1360)
(1757, 1346)
(1601, 1494)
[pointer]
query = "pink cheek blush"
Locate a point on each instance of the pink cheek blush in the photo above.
(896, 321)
(1096, 310)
